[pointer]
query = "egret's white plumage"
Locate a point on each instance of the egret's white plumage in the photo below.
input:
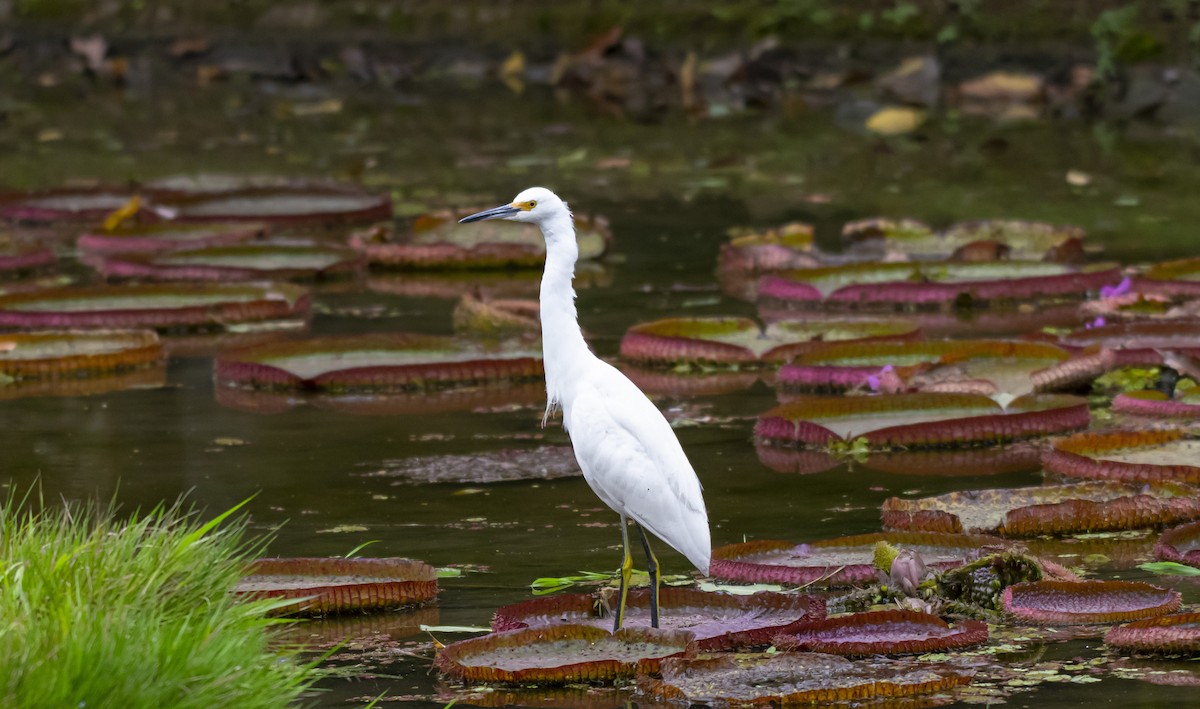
(628, 452)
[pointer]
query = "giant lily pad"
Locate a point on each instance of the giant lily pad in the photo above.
(786, 247)
(507, 465)
(150, 377)
(719, 621)
(48, 355)
(1158, 404)
(740, 341)
(562, 654)
(1127, 455)
(1082, 602)
(899, 231)
(496, 318)
(1175, 334)
(1177, 634)
(1180, 544)
(438, 241)
(891, 632)
(1016, 458)
(795, 678)
(373, 363)
(294, 206)
(1174, 279)
(917, 420)
(891, 285)
(157, 238)
(657, 381)
(64, 205)
(1051, 509)
(1009, 238)
(832, 562)
(322, 586)
(1005, 366)
(157, 306)
(235, 263)
(23, 259)
(484, 398)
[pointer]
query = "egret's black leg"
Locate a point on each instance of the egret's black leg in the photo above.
(626, 571)
(652, 568)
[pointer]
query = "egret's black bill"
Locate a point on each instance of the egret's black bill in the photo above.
(498, 213)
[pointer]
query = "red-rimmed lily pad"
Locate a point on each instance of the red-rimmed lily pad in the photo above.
(322, 586)
(795, 678)
(937, 285)
(373, 363)
(1050, 509)
(887, 230)
(840, 561)
(785, 247)
(890, 632)
(1027, 239)
(1185, 405)
(153, 305)
(236, 263)
(19, 260)
(1084, 602)
(741, 341)
(63, 205)
(1176, 634)
(562, 654)
(1180, 544)
(506, 465)
(485, 398)
(965, 462)
(169, 236)
(152, 377)
(690, 383)
(1173, 279)
(496, 317)
(295, 206)
(719, 621)
(919, 420)
(1175, 334)
(1136, 456)
(53, 355)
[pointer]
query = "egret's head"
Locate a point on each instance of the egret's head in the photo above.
(536, 204)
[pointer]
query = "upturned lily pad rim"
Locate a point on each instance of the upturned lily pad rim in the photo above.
(1160, 635)
(449, 660)
(393, 582)
(808, 608)
(729, 561)
(822, 635)
(17, 205)
(1169, 602)
(1078, 456)
(26, 258)
(149, 238)
(374, 206)
(166, 265)
(129, 349)
(1168, 545)
(1154, 403)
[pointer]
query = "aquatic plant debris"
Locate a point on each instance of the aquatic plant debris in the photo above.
(496, 466)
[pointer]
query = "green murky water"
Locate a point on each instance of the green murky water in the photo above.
(670, 188)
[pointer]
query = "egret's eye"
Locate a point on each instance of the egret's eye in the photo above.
(532, 203)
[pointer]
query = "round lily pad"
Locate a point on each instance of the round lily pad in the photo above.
(294, 206)
(1176, 634)
(937, 285)
(235, 263)
(488, 397)
(1180, 544)
(1173, 279)
(149, 377)
(989, 240)
(741, 341)
(495, 318)
(562, 654)
(1005, 366)
(833, 562)
(966, 462)
(780, 248)
(340, 585)
(452, 285)
(24, 259)
(795, 678)
(1135, 456)
(168, 236)
(887, 230)
(1175, 334)
(49, 355)
(689, 383)
(63, 205)
(1082, 602)
(719, 621)
(1157, 404)
(1027, 239)
(373, 363)
(890, 632)
(506, 465)
(919, 420)
(1050, 509)
(156, 306)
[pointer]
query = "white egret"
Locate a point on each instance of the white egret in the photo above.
(628, 452)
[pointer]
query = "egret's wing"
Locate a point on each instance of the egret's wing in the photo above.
(632, 459)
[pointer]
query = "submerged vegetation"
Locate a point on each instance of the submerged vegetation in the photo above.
(97, 610)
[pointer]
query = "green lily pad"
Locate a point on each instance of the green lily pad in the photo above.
(235, 263)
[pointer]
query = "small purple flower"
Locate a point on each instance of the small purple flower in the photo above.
(873, 380)
(1121, 288)
(1098, 322)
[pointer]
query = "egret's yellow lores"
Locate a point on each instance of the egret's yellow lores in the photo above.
(627, 450)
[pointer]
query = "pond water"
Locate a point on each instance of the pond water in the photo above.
(671, 189)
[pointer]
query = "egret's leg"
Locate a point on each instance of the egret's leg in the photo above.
(626, 571)
(652, 569)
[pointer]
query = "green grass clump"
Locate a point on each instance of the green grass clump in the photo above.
(97, 611)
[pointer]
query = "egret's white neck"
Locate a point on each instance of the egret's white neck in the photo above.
(563, 348)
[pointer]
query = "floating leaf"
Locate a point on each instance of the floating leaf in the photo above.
(339, 585)
(1140, 456)
(1157, 404)
(62, 205)
(785, 247)
(505, 465)
(294, 206)
(1169, 568)
(496, 318)
(561, 654)
(891, 632)
(157, 306)
(235, 263)
(157, 238)
(1050, 509)
(21, 260)
(1079, 602)
(1180, 545)
(1167, 634)
(1178, 279)
(833, 562)
(895, 120)
(719, 621)
(56, 355)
